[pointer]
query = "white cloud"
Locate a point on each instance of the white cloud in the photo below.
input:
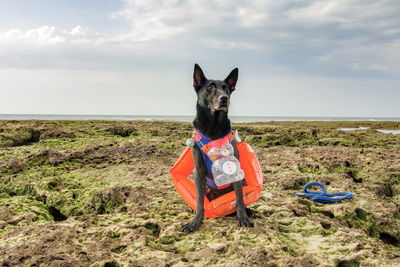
(375, 67)
(378, 67)
(41, 35)
(79, 30)
(153, 19)
(319, 12)
(325, 57)
(329, 33)
(44, 35)
(231, 45)
(356, 14)
(252, 16)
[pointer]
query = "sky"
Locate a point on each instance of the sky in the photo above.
(135, 57)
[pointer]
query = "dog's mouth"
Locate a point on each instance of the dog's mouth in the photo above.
(222, 107)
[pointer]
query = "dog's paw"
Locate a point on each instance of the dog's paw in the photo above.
(190, 227)
(245, 222)
(250, 213)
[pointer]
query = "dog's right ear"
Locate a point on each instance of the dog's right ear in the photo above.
(198, 77)
(232, 79)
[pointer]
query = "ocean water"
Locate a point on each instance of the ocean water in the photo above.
(180, 118)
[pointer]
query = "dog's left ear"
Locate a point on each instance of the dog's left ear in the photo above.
(232, 79)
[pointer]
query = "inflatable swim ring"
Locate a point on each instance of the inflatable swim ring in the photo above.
(225, 204)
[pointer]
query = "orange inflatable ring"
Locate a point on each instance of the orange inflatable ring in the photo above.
(225, 204)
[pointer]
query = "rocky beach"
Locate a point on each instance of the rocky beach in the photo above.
(99, 193)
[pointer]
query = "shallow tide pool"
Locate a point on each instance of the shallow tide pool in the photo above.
(388, 131)
(385, 131)
(353, 129)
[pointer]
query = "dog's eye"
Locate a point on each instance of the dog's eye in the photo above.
(225, 88)
(210, 87)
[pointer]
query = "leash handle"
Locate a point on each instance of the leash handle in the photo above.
(314, 193)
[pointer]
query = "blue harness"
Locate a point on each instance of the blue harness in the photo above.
(202, 141)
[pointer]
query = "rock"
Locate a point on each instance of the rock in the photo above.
(218, 247)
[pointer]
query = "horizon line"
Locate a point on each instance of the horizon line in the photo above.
(189, 115)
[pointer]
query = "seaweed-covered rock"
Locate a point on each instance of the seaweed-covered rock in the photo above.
(99, 193)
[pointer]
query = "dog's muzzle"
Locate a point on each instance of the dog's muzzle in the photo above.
(223, 103)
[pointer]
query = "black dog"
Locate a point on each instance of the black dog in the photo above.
(212, 121)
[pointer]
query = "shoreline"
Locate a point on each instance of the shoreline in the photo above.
(188, 118)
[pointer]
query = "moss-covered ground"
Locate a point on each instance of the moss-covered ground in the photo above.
(98, 193)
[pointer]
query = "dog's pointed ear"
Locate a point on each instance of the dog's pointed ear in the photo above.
(198, 77)
(232, 79)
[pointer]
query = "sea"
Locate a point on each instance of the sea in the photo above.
(183, 118)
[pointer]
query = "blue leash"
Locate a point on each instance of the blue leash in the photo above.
(323, 196)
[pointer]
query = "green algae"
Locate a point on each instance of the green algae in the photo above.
(111, 179)
(363, 220)
(25, 211)
(305, 134)
(19, 137)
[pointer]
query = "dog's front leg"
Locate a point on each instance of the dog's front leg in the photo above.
(200, 184)
(243, 219)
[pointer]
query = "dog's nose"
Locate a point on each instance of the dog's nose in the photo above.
(223, 99)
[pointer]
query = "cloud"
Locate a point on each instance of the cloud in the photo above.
(300, 36)
(79, 31)
(325, 33)
(378, 67)
(231, 45)
(44, 35)
(356, 14)
(152, 19)
(41, 35)
(375, 67)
